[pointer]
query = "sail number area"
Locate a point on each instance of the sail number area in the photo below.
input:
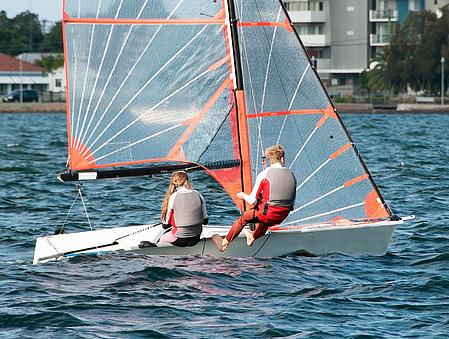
(145, 171)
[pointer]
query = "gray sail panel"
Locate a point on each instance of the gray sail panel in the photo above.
(287, 104)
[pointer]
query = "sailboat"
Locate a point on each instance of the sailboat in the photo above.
(162, 85)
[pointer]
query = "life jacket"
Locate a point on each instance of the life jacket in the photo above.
(188, 214)
(282, 187)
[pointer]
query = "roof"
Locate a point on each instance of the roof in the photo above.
(11, 64)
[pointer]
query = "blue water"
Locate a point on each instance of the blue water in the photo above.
(404, 293)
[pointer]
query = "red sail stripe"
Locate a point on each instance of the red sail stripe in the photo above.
(329, 113)
(280, 113)
(67, 101)
(340, 151)
(265, 24)
(104, 21)
(218, 64)
(355, 180)
(174, 153)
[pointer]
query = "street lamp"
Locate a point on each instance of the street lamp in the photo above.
(442, 80)
(21, 79)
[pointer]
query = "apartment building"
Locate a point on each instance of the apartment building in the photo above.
(343, 36)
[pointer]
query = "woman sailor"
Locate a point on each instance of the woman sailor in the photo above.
(184, 210)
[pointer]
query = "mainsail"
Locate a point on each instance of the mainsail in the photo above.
(208, 82)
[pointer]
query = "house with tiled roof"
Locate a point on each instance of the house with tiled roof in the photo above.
(14, 72)
(57, 77)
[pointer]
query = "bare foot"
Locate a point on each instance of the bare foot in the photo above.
(249, 237)
(221, 243)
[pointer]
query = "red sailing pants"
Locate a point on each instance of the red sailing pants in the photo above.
(275, 215)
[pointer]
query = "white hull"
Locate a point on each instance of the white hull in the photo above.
(357, 239)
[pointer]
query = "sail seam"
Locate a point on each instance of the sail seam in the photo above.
(291, 102)
(136, 142)
(317, 199)
(325, 213)
(83, 132)
(303, 146)
(126, 79)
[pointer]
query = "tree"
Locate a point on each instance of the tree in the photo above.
(23, 33)
(413, 57)
(51, 63)
(52, 41)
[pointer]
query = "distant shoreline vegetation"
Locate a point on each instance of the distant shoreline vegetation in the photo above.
(25, 33)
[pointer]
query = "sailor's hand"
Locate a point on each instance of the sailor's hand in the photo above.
(241, 195)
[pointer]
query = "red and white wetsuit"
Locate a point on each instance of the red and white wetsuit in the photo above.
(273, 195)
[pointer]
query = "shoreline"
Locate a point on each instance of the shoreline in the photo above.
(60, 107)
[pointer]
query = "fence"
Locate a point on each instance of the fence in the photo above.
(52, 97)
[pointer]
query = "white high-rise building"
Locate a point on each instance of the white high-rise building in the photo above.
(343, 36)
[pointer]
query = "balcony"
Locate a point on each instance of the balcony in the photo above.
(314, 40)
(323, 64)
(379, 39)
(387, 15)
(307, 16)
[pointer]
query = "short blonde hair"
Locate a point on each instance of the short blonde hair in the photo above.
(275, 153)
(178, 179)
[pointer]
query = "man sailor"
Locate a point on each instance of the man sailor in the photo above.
(273, 197)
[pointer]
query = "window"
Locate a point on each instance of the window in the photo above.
(310, 29)
(413, 5)
(58, 83)
(435, 2)
(304, 6)
(3, 89)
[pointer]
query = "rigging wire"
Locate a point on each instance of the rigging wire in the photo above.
(61, 230)
(84, 206)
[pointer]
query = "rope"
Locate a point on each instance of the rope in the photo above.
(204, 246)
(268, 237)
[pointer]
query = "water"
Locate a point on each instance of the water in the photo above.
(404, 293)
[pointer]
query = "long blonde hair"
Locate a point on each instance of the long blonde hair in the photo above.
(178, 179)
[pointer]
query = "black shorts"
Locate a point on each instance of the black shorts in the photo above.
(187, 242)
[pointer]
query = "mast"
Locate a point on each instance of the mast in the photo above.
(242, 125)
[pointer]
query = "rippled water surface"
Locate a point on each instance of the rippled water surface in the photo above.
(404, 293)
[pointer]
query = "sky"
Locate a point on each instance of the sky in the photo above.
(46, 9)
